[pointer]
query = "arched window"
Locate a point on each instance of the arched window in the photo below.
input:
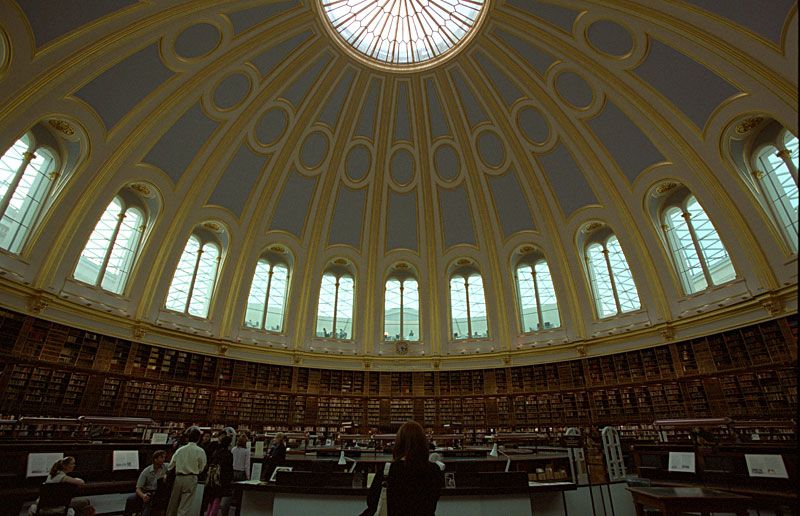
(537, 296)
(775, 170)
(335, 309)
(468, 306)
(107, 259)
(266, 303)
(610, 276)
(193, 283)
(401, 309)
(700, 256)
(26, 175)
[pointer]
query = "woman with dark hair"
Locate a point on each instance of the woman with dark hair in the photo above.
(414, 483)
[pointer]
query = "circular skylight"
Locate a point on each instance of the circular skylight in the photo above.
(403, 32)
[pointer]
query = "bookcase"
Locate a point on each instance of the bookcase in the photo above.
(745, 374)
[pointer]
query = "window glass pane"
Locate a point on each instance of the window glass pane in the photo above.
(257, 298)
(391, 308)
(10, 163)
(411, 310)
(458, 308)
(327, 298)
(93, 255)
(179, 288)
(277, 298)
(623, 279)
(527, 299)
(204, 283)
(477, 307)
(123, 252)
(344, 308)
(26, 201)
(780, 188)
(790, 143)
(714, 252)
(547, 296)
(683, 251)
(601, 281)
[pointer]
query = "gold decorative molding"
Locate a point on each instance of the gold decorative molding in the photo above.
(664, 188)
(436, 363)
(758, 174)
(401, 347)
(772, 304)
(668, 332)
(216, 227)
(507, 359)
(223, 348)
(297, 359)
(367, 364)
(138, 331)
(744, 127)
(37, 304)
(143, 189)
(581, 350)
(591, 226)
(278, 249)
(62, 126)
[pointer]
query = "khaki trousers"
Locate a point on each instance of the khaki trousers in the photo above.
(180, 500)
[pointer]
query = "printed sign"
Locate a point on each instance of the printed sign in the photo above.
(682, 462)
(159, 438)
(125, 459)
(771, 466)
(259, 451)
(39, 464)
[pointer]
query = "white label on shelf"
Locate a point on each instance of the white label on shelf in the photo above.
(682, 462)
(39, 464)
(125, 459)
(159, 438)
(771, 466)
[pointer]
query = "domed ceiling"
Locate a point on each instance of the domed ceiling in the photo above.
(248, 120)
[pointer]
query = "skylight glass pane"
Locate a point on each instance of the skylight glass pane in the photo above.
(325, 308)
(683, 251)
(458, 308)
(392, 309)
(344, 307)
(93, 255)
(25, 201)
(714, 252)
(123, 252)
(527, 299)
(601, 281)
(547, 296)
(780, 188)
(626, 288)
(256, 300)
(10, 163)
(402, 31)
(410, 310)
(204, 283)
(178, 292)
(477, 307)
(277, 298)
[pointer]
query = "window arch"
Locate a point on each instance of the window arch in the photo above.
(195, 276)
(538, 306)
(775, 170)
(610, 276)
(401, 306)
(107, 259)
(335, 307)
(26, 178)
(700, 256)
(266, 304)
(468, 318)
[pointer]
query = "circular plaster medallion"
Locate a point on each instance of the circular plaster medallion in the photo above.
(197, 41)
(358, 162)
(271, 126)
(314, 150)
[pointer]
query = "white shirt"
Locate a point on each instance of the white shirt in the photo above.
(241, 460)
(189, 459)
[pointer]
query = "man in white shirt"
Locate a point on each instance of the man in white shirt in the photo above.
(188, 461)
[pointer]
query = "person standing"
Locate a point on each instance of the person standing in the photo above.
(218, 482)
(276, 455)
(146, 486)
(241, 459)
(188, 462)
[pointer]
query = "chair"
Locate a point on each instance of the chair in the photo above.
(54, 499)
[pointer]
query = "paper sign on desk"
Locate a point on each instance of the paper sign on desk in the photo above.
(259, 452)
(682, 462)
(159, 438)
(125, 459)
(759, 465)
(39, 464)
(255, 471)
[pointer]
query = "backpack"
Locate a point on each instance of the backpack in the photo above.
(214, 476)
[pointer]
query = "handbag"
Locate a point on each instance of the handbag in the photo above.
(383, 503)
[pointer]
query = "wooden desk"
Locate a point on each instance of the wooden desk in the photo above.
(672, 501)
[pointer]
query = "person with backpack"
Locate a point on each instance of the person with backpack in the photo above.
(219, 476)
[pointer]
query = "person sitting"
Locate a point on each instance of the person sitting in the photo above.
(146, 486)
(414, 484)
(59, 472)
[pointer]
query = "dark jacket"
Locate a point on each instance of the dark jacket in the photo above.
(224, 458)
(412, 489)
